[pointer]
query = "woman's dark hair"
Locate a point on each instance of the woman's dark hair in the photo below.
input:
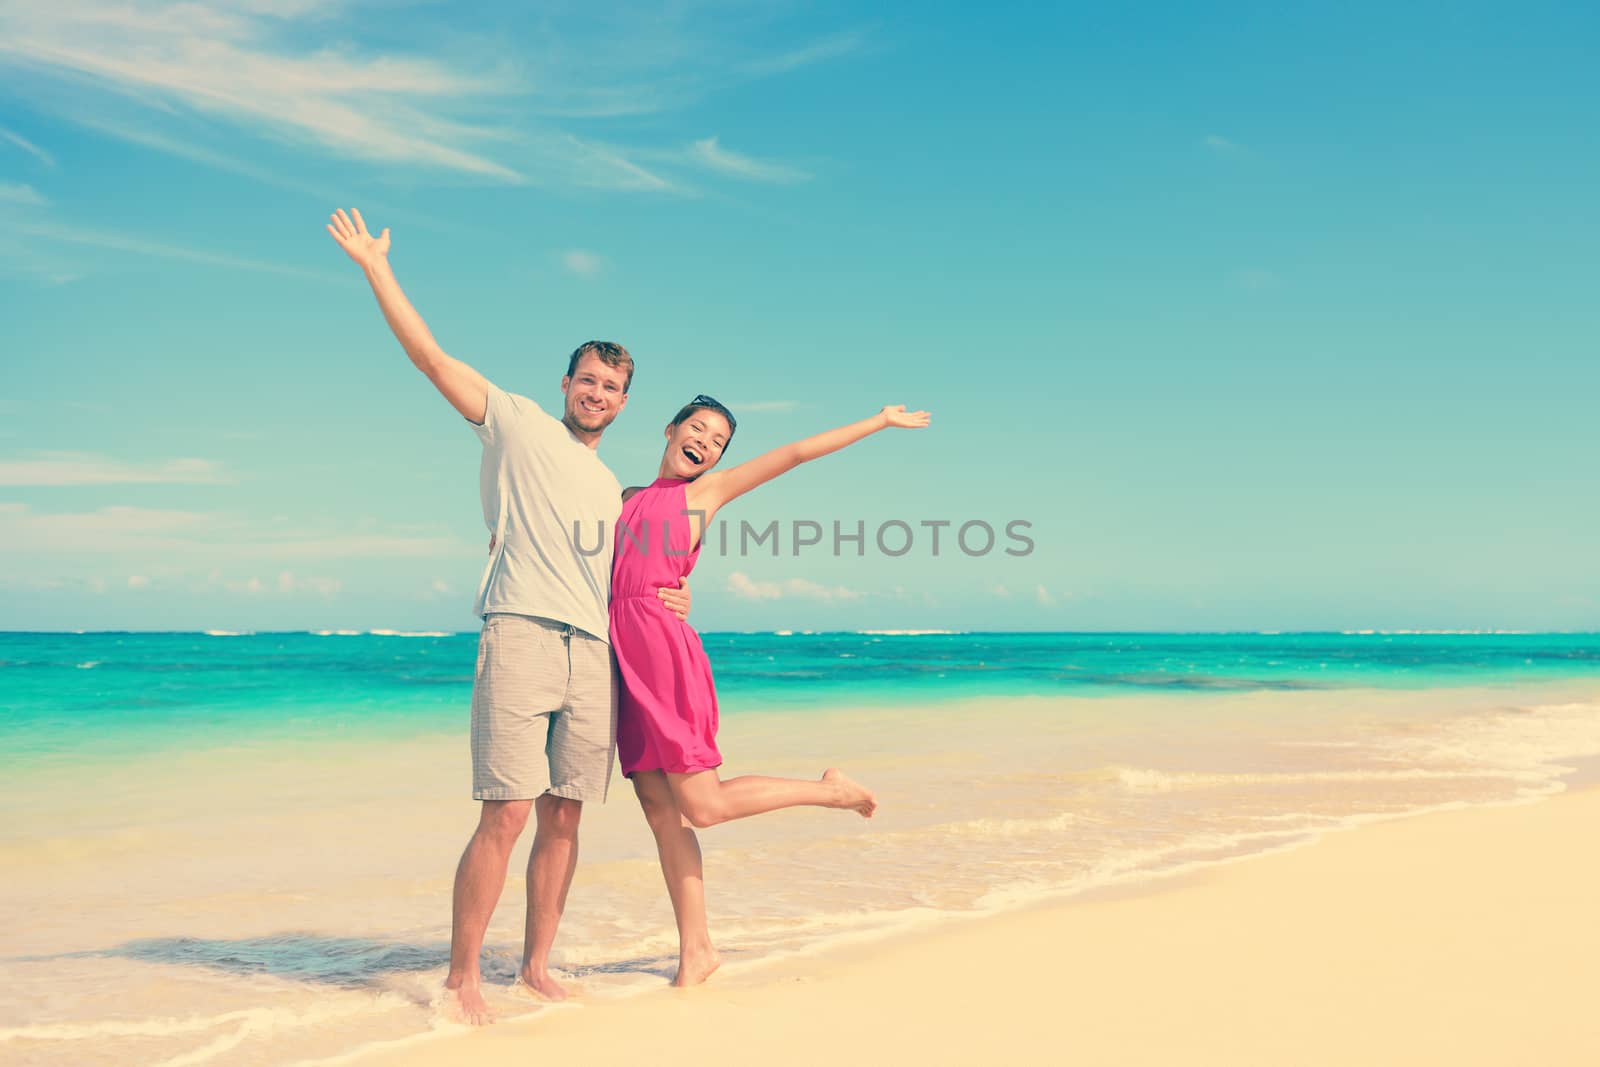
(707, 403)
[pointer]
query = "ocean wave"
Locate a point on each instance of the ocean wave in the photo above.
(1435, 633)
(1150, 780)
(1531, 741)
(410, 633)
(1197, 852)
(250, 1020)
(991, 828)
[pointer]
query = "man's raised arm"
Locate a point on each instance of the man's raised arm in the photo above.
(465, 388)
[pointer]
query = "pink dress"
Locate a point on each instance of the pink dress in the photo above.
(667, 704)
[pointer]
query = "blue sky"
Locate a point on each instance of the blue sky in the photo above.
(1263, 318)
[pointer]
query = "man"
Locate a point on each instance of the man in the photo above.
(544, 694)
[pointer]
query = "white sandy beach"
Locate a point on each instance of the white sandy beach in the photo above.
(285, 900)
(1459, 937)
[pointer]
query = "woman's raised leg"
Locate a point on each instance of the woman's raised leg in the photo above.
(706, 800)
(679, 850)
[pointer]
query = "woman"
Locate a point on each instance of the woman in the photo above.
(667, 705)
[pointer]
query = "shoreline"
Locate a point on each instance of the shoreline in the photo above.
(1463, 936)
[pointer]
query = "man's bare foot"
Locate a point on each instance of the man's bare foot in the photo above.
(695, 966)
(466, 1004)
(543, 985)
(852, 794)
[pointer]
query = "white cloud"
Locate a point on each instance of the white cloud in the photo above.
(746, 588)
(195, 536)
(355, 545)
(999, 590)
(28, 146)
(87, 468)
(139, 246)
(11, 193)
(741, 585)
(841, 44)
(601, 166)
(91, 119)
(232, 63)
(440, 586)
(583, 264)
(711, 155)
(107, 529)
(290, 583)
(20, 260)
(485, 104)
(138, 581)
(1044, 596)
(660, 63)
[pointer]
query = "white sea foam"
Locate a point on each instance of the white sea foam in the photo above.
(1134, 866)
(249, 1020)
(336, 633)
(229, 633)
(1526, 741)
(88, 665)
(410, 633)
(907, 633)
(1433, 633)
(991, 828)
(1150, 780)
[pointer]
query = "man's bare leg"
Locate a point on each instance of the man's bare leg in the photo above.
(679, 850)
(480, 877)
(706, 800)
(550, 867)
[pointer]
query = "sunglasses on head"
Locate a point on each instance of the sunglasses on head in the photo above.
(701, 400)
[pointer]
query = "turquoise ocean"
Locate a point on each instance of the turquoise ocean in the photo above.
(69, 695)
(237, 848)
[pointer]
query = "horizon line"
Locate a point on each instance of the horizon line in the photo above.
(1374, 632)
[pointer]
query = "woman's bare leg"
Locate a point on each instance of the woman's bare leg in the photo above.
(679, 850)
(706, 800)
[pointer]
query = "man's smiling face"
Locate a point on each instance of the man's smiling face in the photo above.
(596, 393)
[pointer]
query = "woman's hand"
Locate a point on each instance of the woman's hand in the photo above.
(897, 415)
(353, 237)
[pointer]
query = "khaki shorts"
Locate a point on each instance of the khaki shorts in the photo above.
(544, 711)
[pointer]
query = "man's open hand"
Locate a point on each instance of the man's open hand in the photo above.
(676, 599)
(353, 237)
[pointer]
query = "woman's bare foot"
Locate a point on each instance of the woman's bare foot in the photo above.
(851, 794)
(466, 1004)
(695, 966)
(543, 985)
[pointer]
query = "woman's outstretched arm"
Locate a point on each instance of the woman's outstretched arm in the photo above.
(711, 491)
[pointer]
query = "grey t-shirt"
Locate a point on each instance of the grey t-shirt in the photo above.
(553, 507)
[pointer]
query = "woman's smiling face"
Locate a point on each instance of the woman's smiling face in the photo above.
(695, 444)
